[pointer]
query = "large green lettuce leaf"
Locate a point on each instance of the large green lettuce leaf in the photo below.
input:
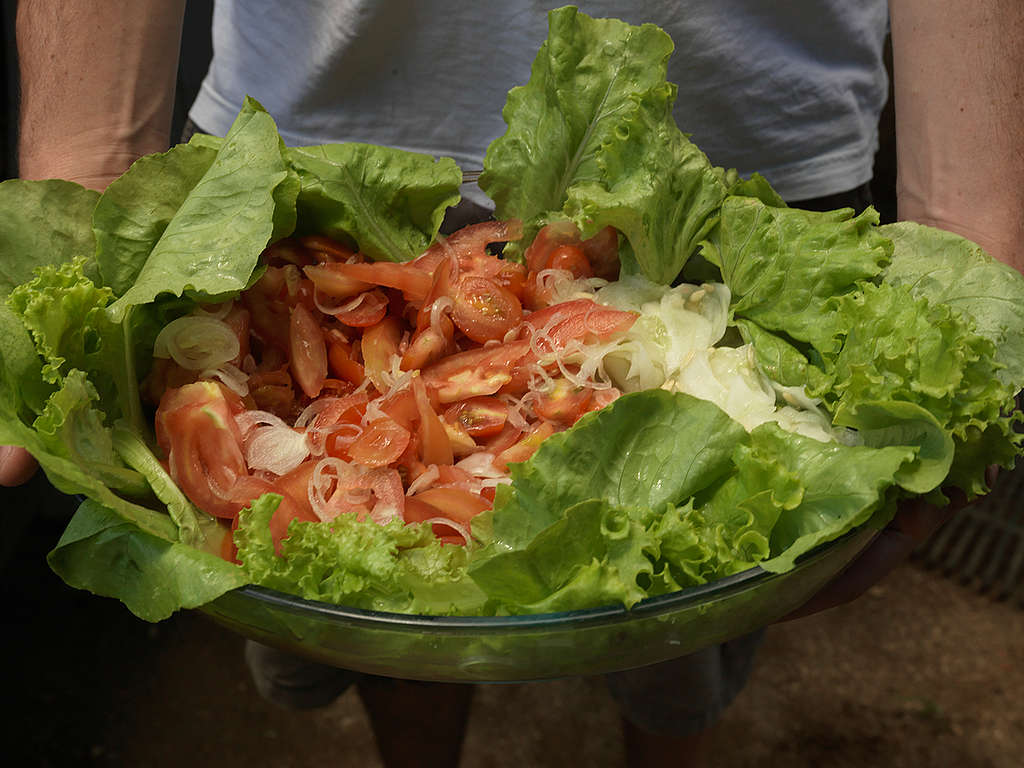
(592, 136)
(211, 244)
(949, 269)
(108, 555)
(784, 264)
(391, 203)
(646, 449)
(43, 222)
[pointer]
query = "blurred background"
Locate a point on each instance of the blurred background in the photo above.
(924, 670)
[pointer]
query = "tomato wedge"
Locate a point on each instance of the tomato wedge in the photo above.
(483, 310)
(413, 282)
(379, 444)
(479, 416)
(308, 351)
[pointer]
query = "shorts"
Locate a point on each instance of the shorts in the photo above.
(676, 697)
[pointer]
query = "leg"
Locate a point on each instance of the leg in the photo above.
(669, 709)
(416, 724)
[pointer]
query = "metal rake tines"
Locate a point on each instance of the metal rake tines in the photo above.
(983, 546)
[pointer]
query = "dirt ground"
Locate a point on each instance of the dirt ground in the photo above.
(918, 672)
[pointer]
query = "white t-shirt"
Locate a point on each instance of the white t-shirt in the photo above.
(791, 89)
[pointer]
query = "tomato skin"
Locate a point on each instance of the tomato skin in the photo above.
(308, 351)
(602, 252)
(483, 310)
(435, 447)
(479, 416)
(538, 254)
(379, 444)
(196, 429)
(367, 309)
(379, 344)
(578, 320)
(457, 504)
(341, 364)
(564, 403)
(526, 446)
(413, 282)
(474, 372)
(572, 259)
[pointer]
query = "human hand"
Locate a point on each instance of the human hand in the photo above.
(915, 521)
(16, 465)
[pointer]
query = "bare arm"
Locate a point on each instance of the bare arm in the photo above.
(97, 90)
(959, 84)
(97, 85)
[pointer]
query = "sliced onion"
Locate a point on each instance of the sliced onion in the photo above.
(197, 343)
(480, 464)
(234, 378)
(246, 420)
(275, 449)
(461, 529)
(427, 478)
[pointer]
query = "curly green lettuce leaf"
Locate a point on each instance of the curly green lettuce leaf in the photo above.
(596, 554)
(948, 269)
(645, 450)
(244, 200)
(107, 555)
(43, 223)
(592, 137)
(388, 201)
(784, 264)
(829, 489)
(136, 209)
(392, 567)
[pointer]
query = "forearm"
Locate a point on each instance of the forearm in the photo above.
(97, 85)
(959, 84)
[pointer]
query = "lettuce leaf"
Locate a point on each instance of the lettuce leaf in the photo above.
(948, 269)
(44, 222)
(591, 137)
(390, 567)
(107, 555)
(211, 244)
(389, 202)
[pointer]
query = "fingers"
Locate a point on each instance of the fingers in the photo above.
(16, 465)
(890, 548)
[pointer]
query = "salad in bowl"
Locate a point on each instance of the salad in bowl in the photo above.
(264, 365)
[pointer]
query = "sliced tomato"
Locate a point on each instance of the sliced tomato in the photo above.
(326, 248)
(413, 282)
(364, 310)
(250, 488)
(341, 364)
(602, 251)
(470, 243)
(481, 371)
(572, 259)
(429, 345)
(308, 360)
(379, 444)
(457, 504)
(196, 429)
(578, 320)
(479, 416)
(483, 310)
(526, 445)
(379, 344)
(563, 403)
(435, 447)
(550, 237)
(334, 283)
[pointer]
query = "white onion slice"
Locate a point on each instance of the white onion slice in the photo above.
(197, 343)
(276, 449)
(427, 478)
(234, 378)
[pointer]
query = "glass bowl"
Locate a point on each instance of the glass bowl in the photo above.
(537, 646)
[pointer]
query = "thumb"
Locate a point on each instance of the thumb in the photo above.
(16, 465)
